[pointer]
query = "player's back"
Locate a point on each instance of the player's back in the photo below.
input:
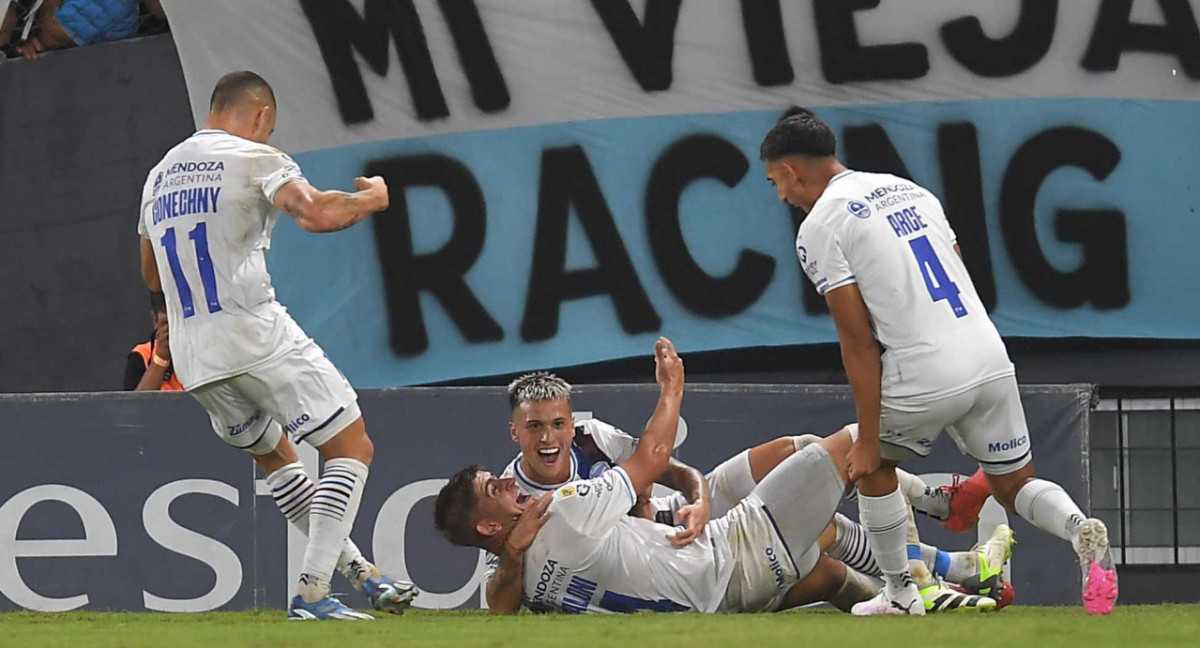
(891, 237)
(207, 210)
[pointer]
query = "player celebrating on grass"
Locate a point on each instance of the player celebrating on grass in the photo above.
(584, 553)
(879, 248)
(207, 212)
(555, 450)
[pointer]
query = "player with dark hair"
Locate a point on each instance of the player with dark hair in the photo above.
(207, 212)
(148, 365)
(921, 354)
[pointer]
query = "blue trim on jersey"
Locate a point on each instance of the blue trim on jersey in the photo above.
(321, 426)
(779, 534)
(839, 176)
(629, 482)
(583, 467)
(520, 475)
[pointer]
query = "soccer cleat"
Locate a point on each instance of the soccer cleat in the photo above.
(909, 601)
(1095, 559)
(326, 609)
(1004, 597)
(991, 557)
(967, 497)
(939, 599)
(388, 595)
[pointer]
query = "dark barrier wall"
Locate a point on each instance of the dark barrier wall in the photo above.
(129, 502)
(79, 129)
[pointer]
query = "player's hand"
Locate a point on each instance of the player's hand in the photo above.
(863, 459)
(528, 525)
(377, 187)
(162, 342)
(693, 517)
(30, 48)
(668, 367)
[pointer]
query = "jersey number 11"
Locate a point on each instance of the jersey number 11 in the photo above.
(199, 237)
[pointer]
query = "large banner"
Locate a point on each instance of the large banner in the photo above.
(572, 178)
(134, 504)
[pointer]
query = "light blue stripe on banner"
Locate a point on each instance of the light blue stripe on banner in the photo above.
(333, 284)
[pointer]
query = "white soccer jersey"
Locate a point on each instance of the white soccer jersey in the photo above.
(207, 210)
(592, 557)
(891, 237)
(597, 447)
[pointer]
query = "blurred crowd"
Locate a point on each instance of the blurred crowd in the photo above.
(33, 27)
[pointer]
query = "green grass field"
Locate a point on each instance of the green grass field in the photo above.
(1158, 625)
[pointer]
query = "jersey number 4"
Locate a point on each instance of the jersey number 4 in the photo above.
(199, 237)
(939, 284)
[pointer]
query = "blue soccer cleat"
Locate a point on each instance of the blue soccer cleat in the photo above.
(389, 595)
(327, 609)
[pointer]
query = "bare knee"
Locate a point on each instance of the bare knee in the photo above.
(1005, 487)
(765, 457)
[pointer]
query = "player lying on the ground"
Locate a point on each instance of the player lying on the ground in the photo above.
(585, 553)
(208, 209)
(555, 450)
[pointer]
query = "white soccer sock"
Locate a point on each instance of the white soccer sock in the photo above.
(293, 491)
(1048, 507)
(963, 565)
(921, 496)
(332, 511)
(850, 546)
(886, 521)
(856, 588)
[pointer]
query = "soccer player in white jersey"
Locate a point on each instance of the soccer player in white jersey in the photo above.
(584, 553)
(207, 212)
(881, 251)
(555, 449)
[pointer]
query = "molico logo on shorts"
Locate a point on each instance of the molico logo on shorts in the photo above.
(776, 568)
(1011, 444)
(292, 427)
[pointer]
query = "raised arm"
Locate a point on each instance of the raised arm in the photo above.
(331, 211)
(861, 356)
(653, 453)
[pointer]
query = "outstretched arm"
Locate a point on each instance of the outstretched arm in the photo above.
(504, 589)
(331, 211)
(654, 449)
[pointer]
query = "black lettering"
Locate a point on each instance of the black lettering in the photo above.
(845, 60)
(1014, 53)
(813, 302)
(868, 148)
(340, 31)
(1103, 277)
(488, 89)
(763, 23)
(962, 182)
(688, 160)
(647, 49)
(1114, 34)
(567, 180)
(406, 274)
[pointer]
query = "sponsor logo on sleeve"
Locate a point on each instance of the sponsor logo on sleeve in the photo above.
(858, 210)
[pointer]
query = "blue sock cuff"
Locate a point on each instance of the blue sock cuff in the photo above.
(941, 566)
(914, 553)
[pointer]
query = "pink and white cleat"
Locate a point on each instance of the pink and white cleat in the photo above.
(1099, 573)
(907, 601)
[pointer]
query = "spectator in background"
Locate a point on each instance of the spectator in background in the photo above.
(148, 367)
(66, 23)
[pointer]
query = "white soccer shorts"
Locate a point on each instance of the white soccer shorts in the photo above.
(773, 533)
(987, 422)
(300, 393)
